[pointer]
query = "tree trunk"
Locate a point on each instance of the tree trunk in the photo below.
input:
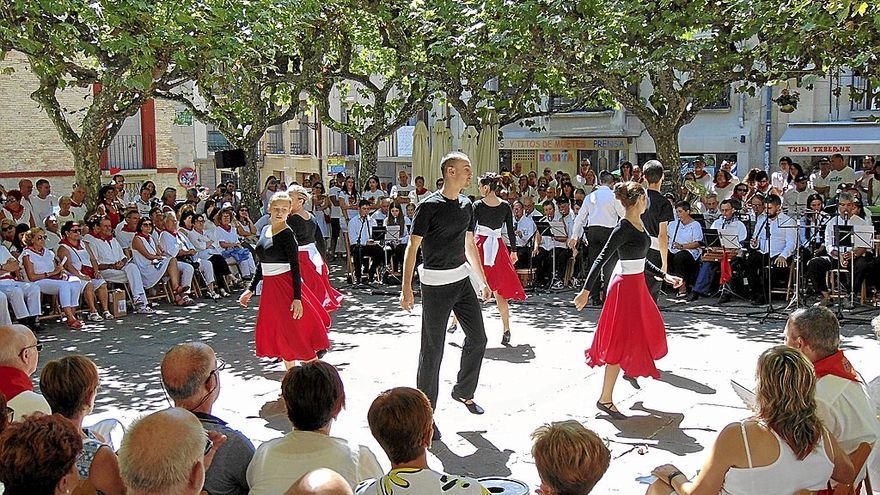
(666, 144)
(249, 180)
(369, 160)
(87, 167)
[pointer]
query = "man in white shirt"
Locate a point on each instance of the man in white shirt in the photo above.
(857, 256)
(708, 207)
(53, 238)
(127, 229)
(26, 188)
(113, 265)
(703, 177)
(601, 212)
(118, 182)
(77, 202)
(364, 250)
(776, 253)
(400, 191)
(44, 203)
(278, 463)
(795, 199)
(19, 355)
(727, 225)
(685, 237)
(525, 230)
(23, 296)
(841, 173)
(553, 254)
(843, 403)
(401, 420)
(819, 180)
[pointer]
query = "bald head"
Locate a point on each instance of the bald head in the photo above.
(164, 453)
(185, 368)
(320, 482)
(16, 349)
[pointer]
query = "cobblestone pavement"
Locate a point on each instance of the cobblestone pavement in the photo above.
(540, 377)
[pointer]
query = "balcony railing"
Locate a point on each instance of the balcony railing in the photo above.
(274, 143)
(563, 104)
(217, 141)
(299, 142)
(126, 152)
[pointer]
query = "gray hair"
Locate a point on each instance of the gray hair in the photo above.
(845, 196)
(818, 327)
(190, 361)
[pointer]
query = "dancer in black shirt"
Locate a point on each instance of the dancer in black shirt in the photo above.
(444, 228)
(656, 218)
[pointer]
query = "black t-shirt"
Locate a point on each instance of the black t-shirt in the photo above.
(442, 223)
(659, 210)
(495, 217)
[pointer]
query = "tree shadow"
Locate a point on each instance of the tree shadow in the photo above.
(657, 426)
(487, 460)
(685, 383)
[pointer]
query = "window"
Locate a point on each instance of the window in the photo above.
(299, 137)
(217, 141)
(565, 104)
(723, 101)
(274, 141)
(863, 95)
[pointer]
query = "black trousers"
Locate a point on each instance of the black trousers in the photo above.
(820, 265)
(396, 255)
(437, 302)
(369, 256)
(654, 285)
(221, 269)
(756, 273)
(685, 266)
(544, 263)
(597, 237)
(523, 257)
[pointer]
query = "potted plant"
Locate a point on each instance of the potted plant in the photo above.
(787, 101)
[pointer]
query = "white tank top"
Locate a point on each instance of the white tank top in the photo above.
(43, 263)
(785, 476)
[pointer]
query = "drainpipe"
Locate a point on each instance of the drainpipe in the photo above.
(768, 126)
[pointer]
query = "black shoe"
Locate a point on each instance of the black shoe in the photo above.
(693, 297)
(725, 298)
(505, 339)
(471, 406)
(632, 381)
(606, 408)
(437, 435)
(452, 328)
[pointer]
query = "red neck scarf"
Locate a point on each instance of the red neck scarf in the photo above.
(421, 191)
(40, 252)
(145, 236)
(15, 214)
(126, 228)
(13, 381)
(70, 244)
(227, 229)
(836, 364)
(98, 235)
(74, 204)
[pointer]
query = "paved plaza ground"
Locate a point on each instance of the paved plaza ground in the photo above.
(540, 377)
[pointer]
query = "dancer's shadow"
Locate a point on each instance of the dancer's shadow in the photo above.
(274, 413)
(685, 383)
(658, 426)
(487, 460)
(519, 354)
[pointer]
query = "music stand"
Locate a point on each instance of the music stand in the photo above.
(725, 239)
(391, 239)
(849, 237)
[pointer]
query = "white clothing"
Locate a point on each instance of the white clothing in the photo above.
(375, 196)
(379, 217)
(863, 233)
(42, 208)
(27, 403)
(845, 409)
(360, 231)
(105, 252)
(779, 180)
(685, 234)
(525, 226)
(70, 217)
(24, 297)
(352, 208)
(52, 240)
(144, 207)
(79, 211)
(43, 263)
(875, 190)
(401, 191)
(838, 177)
(413, 481)
(79, 258)
(785, 475)
(783, 241)
(723, 192)
(795, 203)
(151, 271)
(280, 462)
(131, 275)
(817, 181)
(601, 208)
(124, 237)
(416, 198)
(203, 242)
(723, 224)
(706, 180)
(172, 244)
(68, 291)
(335, 211)
(229, 236)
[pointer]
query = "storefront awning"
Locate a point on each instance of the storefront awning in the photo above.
(846, 138)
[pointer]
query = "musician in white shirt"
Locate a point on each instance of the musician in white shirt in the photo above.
(795, 199)
(685, 236)
(857, 256)
(726, 225)
(364, 250)
(550, 245)
(778, 249)
(525, 230)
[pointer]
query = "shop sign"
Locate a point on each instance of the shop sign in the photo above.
(564, 144)
(820, 149)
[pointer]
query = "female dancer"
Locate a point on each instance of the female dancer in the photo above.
(630, 334)
(312, 267)
(291, 323)
(491, 215)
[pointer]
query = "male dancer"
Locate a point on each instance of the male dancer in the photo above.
(444, 220)
(656, 219)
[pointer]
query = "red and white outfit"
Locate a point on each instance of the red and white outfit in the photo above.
(68, 289)
(312, 268)
(497, 265)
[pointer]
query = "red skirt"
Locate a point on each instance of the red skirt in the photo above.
(631, 332)
(319, 283)
(502, 277)
(278, 335)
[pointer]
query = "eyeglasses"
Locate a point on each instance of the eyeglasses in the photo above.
(41, 238)
(75, 230)
(38, 346)
(6, 229)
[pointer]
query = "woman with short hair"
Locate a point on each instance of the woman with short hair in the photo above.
(79, 262)
(154, 265)
(42, 268)
(230, 243)
(70, 386)
(175, 244)
(38, 456)
(193, 226)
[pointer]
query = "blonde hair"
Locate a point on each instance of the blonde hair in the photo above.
(786, 400)
(570, 458)
(31, 235)
(280, 196)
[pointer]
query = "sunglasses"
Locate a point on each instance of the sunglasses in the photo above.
(741, 189)
(146, 224)
(6, 229)
(41, 238)
(75, 230)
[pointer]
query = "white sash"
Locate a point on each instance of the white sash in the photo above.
(431, 277)
(314, 255)
(270, 269)
(629, 267)
(490, 247)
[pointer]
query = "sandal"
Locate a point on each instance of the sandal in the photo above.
(505, 339)
(95, 317)
(74, 324)
(472, 406)
(182, 300)
(108, 315)
(606, 407)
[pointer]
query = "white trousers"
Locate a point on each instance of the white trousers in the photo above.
(128, 275)
(207, 271)
(247, 267)
(186, 274)
(23, 296)
(68, 291)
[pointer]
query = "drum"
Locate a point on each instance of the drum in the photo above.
(526, 275)
(504, 486)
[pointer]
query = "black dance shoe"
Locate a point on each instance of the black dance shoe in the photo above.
(471, 406)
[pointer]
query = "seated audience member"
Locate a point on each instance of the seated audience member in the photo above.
(38, 456)
(167, 452)
(77, 202)
(70, 385)
(314, 396)
(191, 376)
(7, 227)
(685, 237)
(857, 257)
(843, 405)
(401, 420)
(775, 252)
(78, 263)
(113, 265)
(726, 225)
(19, 355)
(108, 205)
(544, 260)
(24, 297)
(41, 268)
(192, 226)
(53, 237)
(146, 199)
(16, 210)
(365, 252)
(176, 244)
(65, 212)
(155, 265)
(127, 229)
(320, 482)
(784, 449)
(570, 458)
(230, 243)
